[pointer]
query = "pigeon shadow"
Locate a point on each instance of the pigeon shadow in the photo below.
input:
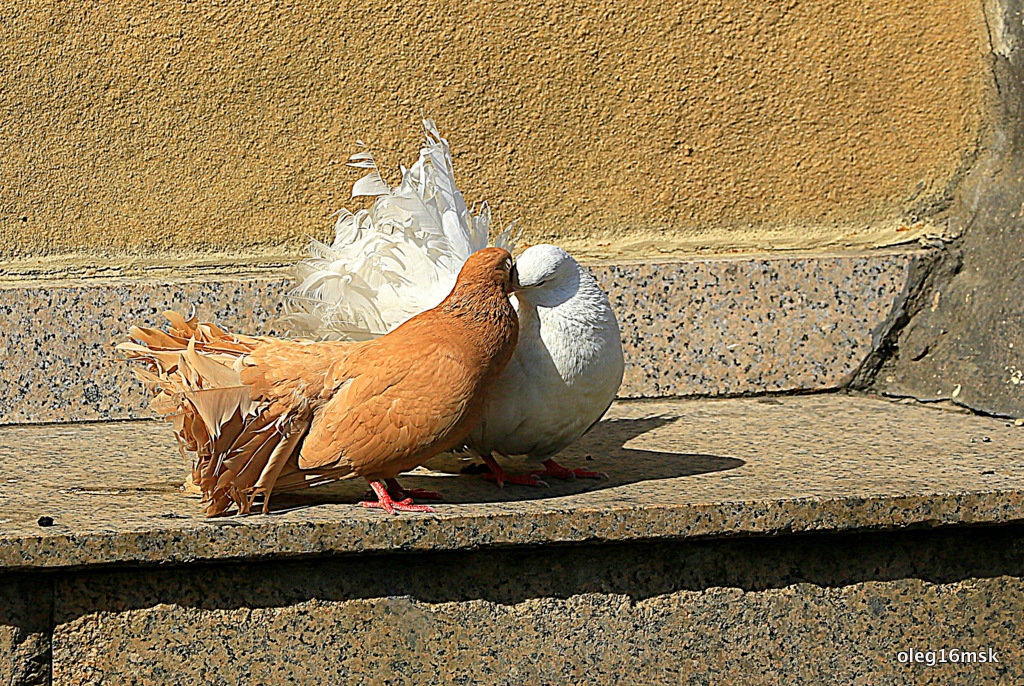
(627, 450)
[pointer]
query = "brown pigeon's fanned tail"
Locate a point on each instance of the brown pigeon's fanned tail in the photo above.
(240, 447)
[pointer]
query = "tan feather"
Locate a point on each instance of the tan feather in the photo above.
(215, 406)
(179, 325)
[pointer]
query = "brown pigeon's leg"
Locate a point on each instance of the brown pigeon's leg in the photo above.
(553, 469)
(385, 502)
(397, 492)
(502, 477)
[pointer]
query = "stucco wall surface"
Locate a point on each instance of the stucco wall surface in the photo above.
(182, 129)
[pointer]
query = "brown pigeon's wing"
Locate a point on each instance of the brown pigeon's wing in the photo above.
(295, 372)
(392, 408)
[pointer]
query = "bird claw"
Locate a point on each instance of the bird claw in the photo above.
(385, 502)
(398, 492)
(502, 477)
(397, 506)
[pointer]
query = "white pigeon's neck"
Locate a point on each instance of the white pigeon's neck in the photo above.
(582, 301)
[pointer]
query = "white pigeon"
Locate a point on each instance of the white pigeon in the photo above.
(564, 373)
(401, 257)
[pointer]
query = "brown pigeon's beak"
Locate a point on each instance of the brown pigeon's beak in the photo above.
(513, 279)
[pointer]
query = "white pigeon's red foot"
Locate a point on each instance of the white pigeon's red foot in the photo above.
(501, 477)
(557, 471)
(385, 502)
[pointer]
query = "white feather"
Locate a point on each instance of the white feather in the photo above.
(397, 258)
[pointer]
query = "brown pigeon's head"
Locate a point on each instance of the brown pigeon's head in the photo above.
(489, 266)
(480, 301)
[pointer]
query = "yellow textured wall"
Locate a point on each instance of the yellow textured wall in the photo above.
(182, 128)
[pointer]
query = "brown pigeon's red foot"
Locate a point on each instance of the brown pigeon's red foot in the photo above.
(501, 477)
(398, 492)
(557, 471)
(390, 506)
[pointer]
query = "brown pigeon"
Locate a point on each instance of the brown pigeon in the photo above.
(263, 415)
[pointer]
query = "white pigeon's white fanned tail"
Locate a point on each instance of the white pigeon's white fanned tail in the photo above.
(456, 222)
(394, 260)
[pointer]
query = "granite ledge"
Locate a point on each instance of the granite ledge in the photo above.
(699, 327)
(679, 469)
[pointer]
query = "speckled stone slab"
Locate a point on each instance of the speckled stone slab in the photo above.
(747, 325)
(721, 326)
(679, 469)
(807, 610)
(57, 363)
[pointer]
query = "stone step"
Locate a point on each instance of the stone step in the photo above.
(733, 540)
(678, 469)
(701, 327)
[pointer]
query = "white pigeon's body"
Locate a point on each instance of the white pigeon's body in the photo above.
(401, 257)
(566, 368)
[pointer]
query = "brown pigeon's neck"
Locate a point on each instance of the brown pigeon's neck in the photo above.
(470, 298)
(485, 308)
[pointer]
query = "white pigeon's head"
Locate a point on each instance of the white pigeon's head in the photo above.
(547, 275)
